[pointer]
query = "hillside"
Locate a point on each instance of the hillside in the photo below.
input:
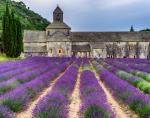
(29, 19)
(145, 30)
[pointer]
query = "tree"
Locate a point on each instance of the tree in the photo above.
(6, 35)
(19, 37)
(132, 29)
(12, 34)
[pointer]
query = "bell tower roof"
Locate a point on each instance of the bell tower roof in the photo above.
(58, 10)
(58, 22)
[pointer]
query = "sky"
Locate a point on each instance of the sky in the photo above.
(97, 15)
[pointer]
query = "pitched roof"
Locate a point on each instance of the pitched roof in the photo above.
(34, 36)
(58, 37)
(58, 25)
(58, 10)
(81, 48)
(98, 45)
(109, 36)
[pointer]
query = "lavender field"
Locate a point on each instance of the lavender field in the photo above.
(43, 87)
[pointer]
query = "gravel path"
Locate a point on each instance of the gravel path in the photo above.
(75, 99)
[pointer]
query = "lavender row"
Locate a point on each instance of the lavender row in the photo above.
(10, 74)
(138, 82)
(86, 64)
(94, 102)
(122, 90)
(144, 67)
(55, 103)
(5, 112)
(144, 75)
(18, 98)
(135, 61)
(23, 78)
(134, 68)
(27, 67)
(12, 65)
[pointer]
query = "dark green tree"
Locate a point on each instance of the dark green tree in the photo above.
(132, 29)
(19, 38)
(6, 35)
(12, 34)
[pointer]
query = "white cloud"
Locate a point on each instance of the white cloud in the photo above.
(46, 7)
(118, 3)
(81, 13)
(80, 5)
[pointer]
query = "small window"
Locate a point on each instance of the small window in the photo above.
(59, 51)
(48, 33)
(51, 51)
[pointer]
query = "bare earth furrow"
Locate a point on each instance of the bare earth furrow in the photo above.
(75, 99)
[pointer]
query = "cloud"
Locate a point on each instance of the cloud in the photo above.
(80, 5)
(96, 14)
(118, 3)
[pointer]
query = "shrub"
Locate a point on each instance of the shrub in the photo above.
(14, 105)
(95, 111)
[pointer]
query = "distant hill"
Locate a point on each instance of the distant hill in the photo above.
(29, 19)
(146, 30)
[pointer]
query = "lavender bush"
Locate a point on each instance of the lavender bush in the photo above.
(5, 113)
(131, 68)
(138, 82)
(94, 102)
(136, 100)
(55, 103)
(19, 97)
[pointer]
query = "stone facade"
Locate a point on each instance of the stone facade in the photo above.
(58, 40)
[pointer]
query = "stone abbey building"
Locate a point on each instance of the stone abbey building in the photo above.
(58, 40)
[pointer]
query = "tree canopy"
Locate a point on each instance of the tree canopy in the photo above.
(12, 34)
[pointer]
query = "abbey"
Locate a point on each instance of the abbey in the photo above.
(58, 40)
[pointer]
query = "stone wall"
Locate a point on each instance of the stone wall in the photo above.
(55, 49)
(120, 48)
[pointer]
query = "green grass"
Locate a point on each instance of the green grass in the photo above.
(5, 58)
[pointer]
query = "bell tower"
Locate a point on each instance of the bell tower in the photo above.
(58, 36)
(58, 15)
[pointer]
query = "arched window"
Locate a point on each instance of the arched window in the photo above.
(48, 33)
(68, 33)
(50, 51)
(60, 51)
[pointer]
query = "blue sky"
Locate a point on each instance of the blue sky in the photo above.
(97, 15)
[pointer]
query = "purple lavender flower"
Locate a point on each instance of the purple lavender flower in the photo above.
(94, 102)
(5, 112)
(126, 92)
(18, 98)
(55, 103)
